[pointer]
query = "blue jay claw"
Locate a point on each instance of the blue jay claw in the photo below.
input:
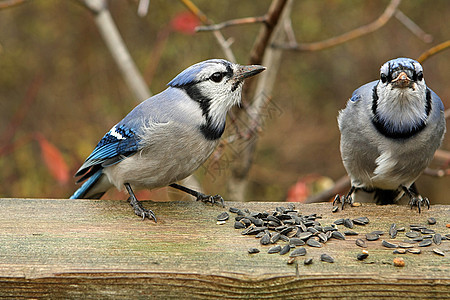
(200, 196)
(415, 199)
(344, 199)
(419, 202)
(140, 211)
(211, 199)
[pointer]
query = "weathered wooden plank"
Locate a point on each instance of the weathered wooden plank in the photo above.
(73, 248)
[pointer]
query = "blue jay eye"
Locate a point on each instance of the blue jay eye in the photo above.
(420, 76)
(216, 77)
(383, 78)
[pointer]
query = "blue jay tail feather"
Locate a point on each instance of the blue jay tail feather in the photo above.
(87, 187)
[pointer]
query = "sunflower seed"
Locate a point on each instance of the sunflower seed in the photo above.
(358, 221)
(350, 232)
(329, 228)
(326, 258)
(308, 261)
(339, 221)
(418, 239)
(425, 243)
(360, 243)
(335, 209)
(296, 242)
(265, 240)
(275, 238)
(305, 235)
(313, 243)
(260, 235)
(348, 223)
(274, 249)
(223, 216)
(431, 221)
(372, 236)
(239, 225)
(393, 231)
(427, 231)
(253, 250)
(285, 249)
(388, 244)
(412, 234)
(399, 251)
(414, 251)
(401, 229)
(378, 232)
(298, 252)
(405, 245)
(438, 251)
(233, 210)
(323, 237)
(362, 256)
(437, 238)
(338, 235)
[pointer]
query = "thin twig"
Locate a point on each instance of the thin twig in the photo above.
(339, 187)
(432, 51)
(143, 8)
(353, 34)
(413, 27)
(235, 22)
(10, 3)
(224, 44)
(436, 172)
(118, 49)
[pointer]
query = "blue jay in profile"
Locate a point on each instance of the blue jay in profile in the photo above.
(168, 136)
(390, 130)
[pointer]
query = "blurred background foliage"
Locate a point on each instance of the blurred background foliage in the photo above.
(60, 89)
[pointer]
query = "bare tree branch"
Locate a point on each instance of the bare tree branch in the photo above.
(339, 187)
(10, 3)
(413, 27)
(224, 44)
(143, 8)
(436, 172)
(118, 49)
(272, 31)
(235, 22)
(436, 49)
(353, 34)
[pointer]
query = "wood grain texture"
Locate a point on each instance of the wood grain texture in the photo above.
(99, 248)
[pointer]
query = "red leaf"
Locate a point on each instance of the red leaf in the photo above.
(185, 22)
(298, 192)
(53, 159)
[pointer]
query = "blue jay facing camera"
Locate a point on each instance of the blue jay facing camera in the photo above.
(168, 136)
(390, 130)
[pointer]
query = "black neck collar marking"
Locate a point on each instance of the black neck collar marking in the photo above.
(209, 131)
(397, 134)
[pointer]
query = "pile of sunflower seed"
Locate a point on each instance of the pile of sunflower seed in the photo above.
(286, 224)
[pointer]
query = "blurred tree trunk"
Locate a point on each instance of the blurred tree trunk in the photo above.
(238, 182)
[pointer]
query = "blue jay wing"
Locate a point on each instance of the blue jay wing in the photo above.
(117, 144)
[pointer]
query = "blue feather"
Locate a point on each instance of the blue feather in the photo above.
(81, 192)
(117, 144)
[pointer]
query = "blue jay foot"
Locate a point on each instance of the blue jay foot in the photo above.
(416, 199)
(210, 199)
(137, 206)
(200, 196)
(344, 199)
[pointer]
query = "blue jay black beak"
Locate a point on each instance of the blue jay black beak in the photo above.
(402, 80)
(244, 72)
